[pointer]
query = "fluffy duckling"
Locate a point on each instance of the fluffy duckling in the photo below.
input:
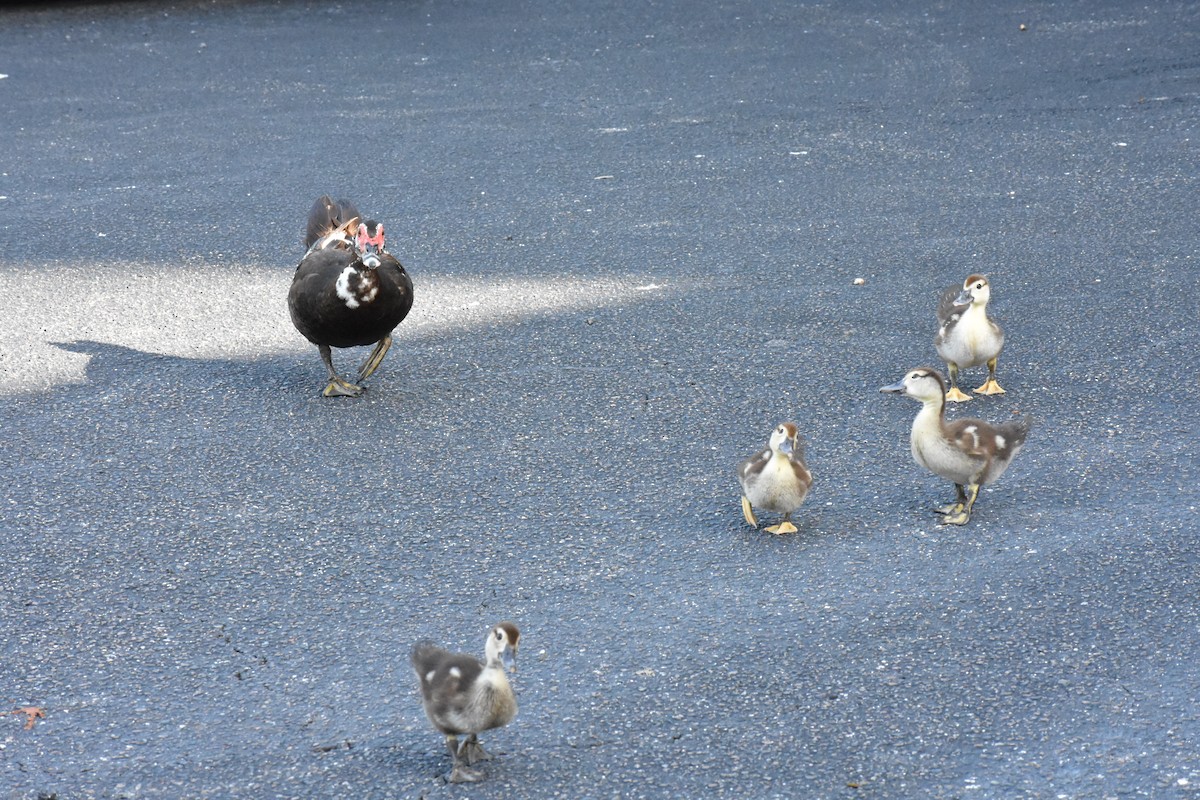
(463, 696)
(776, 479)
(967, 336)
(969, 452)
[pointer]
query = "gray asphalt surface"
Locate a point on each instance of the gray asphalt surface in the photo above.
(634, 230)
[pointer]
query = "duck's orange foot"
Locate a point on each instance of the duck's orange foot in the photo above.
(748, 512)
(990, 387)
(955, 395)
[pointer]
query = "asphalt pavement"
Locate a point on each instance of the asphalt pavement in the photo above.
(635, 231)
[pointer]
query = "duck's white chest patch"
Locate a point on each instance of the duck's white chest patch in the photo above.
(356, 286)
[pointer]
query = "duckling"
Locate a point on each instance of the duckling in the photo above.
(463, 696)
(969, 452)
(967, 336)
(776, 478)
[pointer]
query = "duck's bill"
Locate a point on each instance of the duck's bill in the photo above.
(893, 388)
(509, 657)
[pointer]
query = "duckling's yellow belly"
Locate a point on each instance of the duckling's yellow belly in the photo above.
(776, 488)
(490, 704)
(973, 341)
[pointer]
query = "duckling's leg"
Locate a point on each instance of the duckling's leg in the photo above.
(748, 512)
(337, 387)
(472, 751)
(963, 515)
(375, 359)
(990, 386)
(461, 772)
(955, 507)
(955, 395)
(784, 527)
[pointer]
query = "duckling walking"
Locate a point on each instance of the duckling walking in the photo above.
(776, 479)
(967, 336)
(969, 452)
(463, 696)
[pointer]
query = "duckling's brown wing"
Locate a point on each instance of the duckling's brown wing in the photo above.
(946, 306)
(802, 473)
(754, 463)
(445, 678)
(973, 437)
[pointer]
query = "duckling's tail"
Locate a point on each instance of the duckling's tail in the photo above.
(1017, 431)
(425, 655)
(326, 216)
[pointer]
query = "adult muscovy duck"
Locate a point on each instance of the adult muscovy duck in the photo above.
(348, 290)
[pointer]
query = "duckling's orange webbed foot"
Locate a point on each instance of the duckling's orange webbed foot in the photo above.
(748, 512)
(959, 518)
(955, 395)
(990, 387)
(783, 527)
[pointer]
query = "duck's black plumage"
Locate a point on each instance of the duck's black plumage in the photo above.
(326, 216)
(348, 290)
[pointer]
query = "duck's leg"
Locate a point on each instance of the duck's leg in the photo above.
(963, 515)
(375, 359)
(748, 512)
(460, 772)
(990, 386)
(337, 387)
(784, 527)
(955, 395)
(472, 751)
(955, 507)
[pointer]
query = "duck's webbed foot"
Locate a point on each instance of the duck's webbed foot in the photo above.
(472, 751)
(460, 772)
(748, 512)
(990, 386)
(337, 386)
(957, 505)
(340, 388)
(464, 774)
(375, 359)
(956, 395)
(784, 527)
(967, 501)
